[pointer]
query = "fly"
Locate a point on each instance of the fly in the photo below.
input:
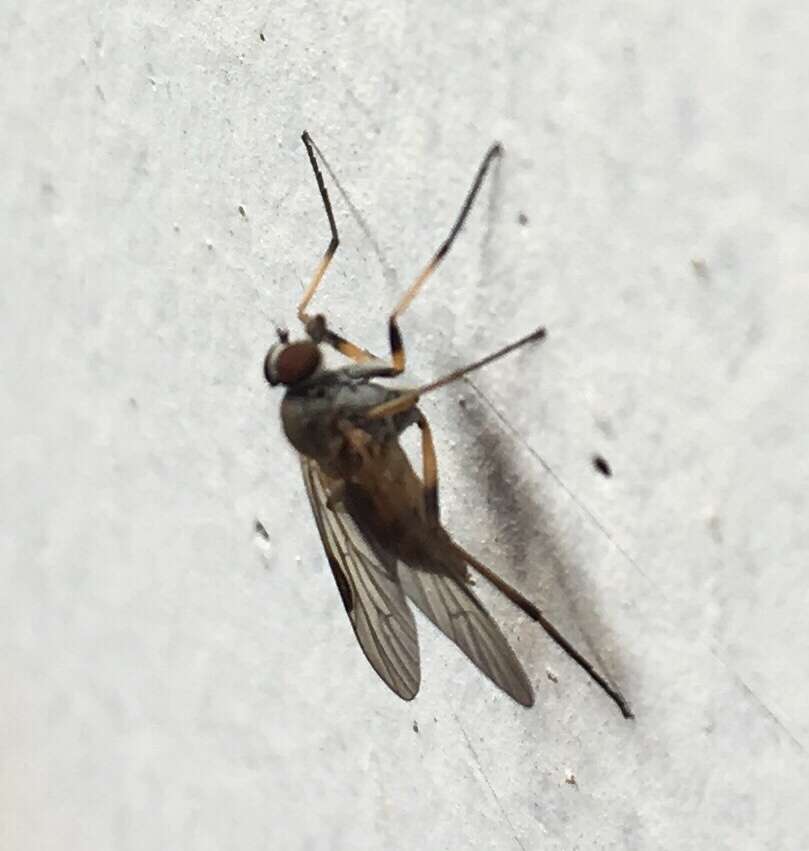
(378, 520)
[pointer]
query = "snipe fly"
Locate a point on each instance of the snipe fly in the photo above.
(378, 520)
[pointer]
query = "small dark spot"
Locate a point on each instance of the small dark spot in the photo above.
(462, 403)
(551, 676)
(133, 403)
(415, 726)
(262, 543)
(570, 779)
(261, 36)
(600, 463)
(242, 211)
(522, 219)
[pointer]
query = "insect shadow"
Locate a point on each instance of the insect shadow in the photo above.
(530, 544)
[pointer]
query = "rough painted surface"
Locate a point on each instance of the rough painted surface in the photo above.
(170, 678)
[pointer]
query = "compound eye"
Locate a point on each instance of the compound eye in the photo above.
(291, 363)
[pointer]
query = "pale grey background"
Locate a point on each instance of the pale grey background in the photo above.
(169, 679)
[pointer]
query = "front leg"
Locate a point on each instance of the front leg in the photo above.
(366, 364)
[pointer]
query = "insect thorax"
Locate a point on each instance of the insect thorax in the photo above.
(311, 413)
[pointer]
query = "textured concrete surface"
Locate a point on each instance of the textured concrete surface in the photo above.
(172, 680)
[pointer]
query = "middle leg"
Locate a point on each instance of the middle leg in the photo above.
(410, 397)
(429, 473)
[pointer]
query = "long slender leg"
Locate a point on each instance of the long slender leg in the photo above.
(346, 347)
(410, 397)
(535, 614)
(495, 151)
(342, 345)
(429, 470)
(396, 345)
(316, 325)
(397, 352)
(335, 239)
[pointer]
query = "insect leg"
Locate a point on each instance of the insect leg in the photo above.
(346, 347)
(396, 346)
(316, 325)
(368, 369)
(495, 151)
(536, 615)
(369, 366)
(429, 470)
(342, 345)
(409, 398)
(335, 239)
(372, 367)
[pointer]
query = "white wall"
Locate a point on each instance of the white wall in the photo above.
(171, 681)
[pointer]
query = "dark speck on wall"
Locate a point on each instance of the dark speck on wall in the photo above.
(601, 464)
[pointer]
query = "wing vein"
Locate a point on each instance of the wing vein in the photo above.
(375, 603)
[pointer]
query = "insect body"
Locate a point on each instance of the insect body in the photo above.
(378, 519)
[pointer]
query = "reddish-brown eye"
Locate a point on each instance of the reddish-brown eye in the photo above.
(296, 361)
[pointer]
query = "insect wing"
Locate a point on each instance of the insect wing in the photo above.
(455, 610)
(369, 586)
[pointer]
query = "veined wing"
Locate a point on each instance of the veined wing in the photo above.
(368, 583)
(450, 604)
